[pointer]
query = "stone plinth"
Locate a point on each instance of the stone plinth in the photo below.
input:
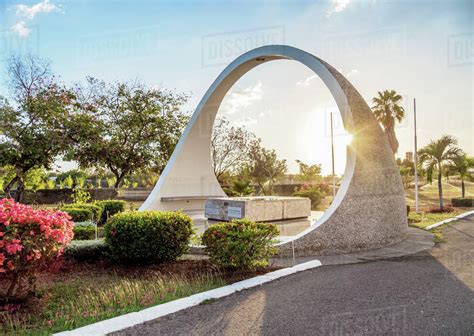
(258, 209)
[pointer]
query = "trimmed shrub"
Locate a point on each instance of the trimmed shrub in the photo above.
(95, 209)
(313, 192)
(463, 202)
(148, 236)
(30, 240)
(240, 244)
(79, 214)
(86, 250)
(110, 208)
(84, 231)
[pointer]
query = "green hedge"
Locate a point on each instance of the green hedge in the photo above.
(94, 209)
(240, 244)
(110, 208)
(84, 231)
(79, 214)
(148, 236)
(86, 250)
(314, 193)
(462, 202)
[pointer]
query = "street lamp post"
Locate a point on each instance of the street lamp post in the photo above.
(332, 157)
(415, 159)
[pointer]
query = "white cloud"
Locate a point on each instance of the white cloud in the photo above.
(352, 73)
(307, 81)
(244, 122)
(30, 12)
(337, 6)
(236, 101)
(21, 29)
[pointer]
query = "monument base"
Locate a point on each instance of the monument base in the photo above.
(258, 209)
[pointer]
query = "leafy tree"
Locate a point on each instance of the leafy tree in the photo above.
(229, 148)
(265, 167)
(76, 178)
(33, 130)
(407, 171)
(309, 173)
(239, 188)
(36, 179)
(436, 156)
(126, 127)
(387, 110)
(461, 165)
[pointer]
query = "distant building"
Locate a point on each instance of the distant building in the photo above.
(409, 156)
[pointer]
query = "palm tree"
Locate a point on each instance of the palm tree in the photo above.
(242, 188)
(436, 155)
(461, 165)
(387, 110)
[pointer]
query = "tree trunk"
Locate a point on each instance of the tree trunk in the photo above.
(440, 191)
(20, 191)
(119, 179)
(9, 186)
(463, 188)
(392, 139)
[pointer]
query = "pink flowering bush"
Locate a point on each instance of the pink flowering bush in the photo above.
(30, 239)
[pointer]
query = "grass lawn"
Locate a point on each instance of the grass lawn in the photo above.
(422, 220)
(84, 293)
(428, 195)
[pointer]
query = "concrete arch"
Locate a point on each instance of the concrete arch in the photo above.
(369, 209)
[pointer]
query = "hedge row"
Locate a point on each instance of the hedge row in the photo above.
(154, 237)
(462, 202)
(84, 231)
(98, 211)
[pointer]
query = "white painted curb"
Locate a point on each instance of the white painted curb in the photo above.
(455, 218)
(131, 319)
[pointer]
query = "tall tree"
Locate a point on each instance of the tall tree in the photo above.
(437, 155)
(387, 110)
(265, 167)
(461, 165)
(126, 127)
(230, 147)
(33, 130)
(309, 173)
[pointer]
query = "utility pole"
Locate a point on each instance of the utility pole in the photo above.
(415, 156)
(332, 156)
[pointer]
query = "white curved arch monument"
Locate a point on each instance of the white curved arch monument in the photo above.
(369, 210)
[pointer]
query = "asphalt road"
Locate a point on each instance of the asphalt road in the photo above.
(424, 294)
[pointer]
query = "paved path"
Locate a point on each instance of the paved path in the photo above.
(422, 294)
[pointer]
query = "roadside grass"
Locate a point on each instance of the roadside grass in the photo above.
(77, 301)
(422, 220)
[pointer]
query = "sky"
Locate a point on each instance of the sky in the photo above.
(421, 49)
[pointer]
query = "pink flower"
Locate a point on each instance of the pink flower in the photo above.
(42, 233)
(14, 246)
